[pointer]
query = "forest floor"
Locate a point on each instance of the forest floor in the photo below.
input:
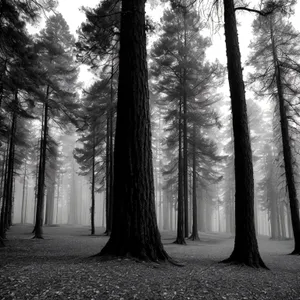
(60, 267)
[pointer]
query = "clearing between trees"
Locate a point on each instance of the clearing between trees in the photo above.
(61, 267)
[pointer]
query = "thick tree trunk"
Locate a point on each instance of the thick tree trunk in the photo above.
(245, 247)
(134, 231)
(38, 232)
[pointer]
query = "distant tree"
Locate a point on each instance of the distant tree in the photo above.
(274, 57)
(90, 155)
(134, 229)
(184, 80)
(50, 180)
(55, 44)
(97, 47)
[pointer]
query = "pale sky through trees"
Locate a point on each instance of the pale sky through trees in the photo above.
(74, 17)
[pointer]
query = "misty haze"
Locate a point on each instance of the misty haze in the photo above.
(149, 149)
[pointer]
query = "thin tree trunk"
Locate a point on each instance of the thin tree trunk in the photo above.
(93, 186)
(23, 193)
(3, 208)
(287, 152)
(180, 200)
(245, 247)
(38, 232)
(185, 142)
(194, 236)
(10, 170)
(58, 196)
(108, 150)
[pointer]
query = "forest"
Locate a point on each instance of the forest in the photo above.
(163, 143)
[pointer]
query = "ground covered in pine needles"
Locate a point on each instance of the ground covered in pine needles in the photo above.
(60, 267)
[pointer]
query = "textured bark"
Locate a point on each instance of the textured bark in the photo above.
(134, 230)
(245, 247)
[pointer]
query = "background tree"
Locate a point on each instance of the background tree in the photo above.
(55, 45)
(184, 80)
(90, 155)
(98, 46)
(275, 61)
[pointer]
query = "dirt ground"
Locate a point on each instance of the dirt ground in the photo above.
(60, 267)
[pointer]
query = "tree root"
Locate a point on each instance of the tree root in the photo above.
(179, 241)
(194, 237)
(249, 262)
(295, 252)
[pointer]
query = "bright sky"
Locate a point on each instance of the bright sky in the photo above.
(75, 17)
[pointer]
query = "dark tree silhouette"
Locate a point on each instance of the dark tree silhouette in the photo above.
(274, 57)
(245, 246)
(134, 229)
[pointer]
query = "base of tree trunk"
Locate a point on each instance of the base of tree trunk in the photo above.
(2, 243)
(107, 232)
(146, 253)
(3, 235)
(194, 237)
(253, 261)
(180, 241)
(38, 233)
(37, 237)
(295, 252)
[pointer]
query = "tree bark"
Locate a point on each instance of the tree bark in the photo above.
(134, 230)
(194, 236)
(38, 232)
(185, 141)
(93, 186)
(3, 207)
(24, 205)
(287, 152)
(245, 247)
(9, 179)
(180, 200)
